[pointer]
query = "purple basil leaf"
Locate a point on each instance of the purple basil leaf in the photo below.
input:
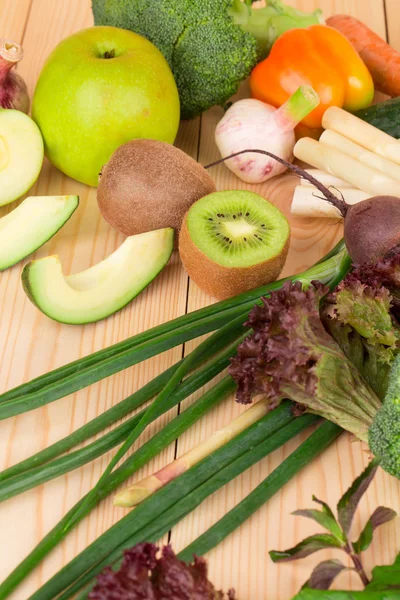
(322, 518)
(326, 509)
(325, 573)
(349, 501)
(306, 547)
(380, 516)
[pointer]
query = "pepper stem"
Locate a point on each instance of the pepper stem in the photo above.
(340, 204)
(296, 108)
(10, 54)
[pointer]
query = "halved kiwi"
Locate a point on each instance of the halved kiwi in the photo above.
(233, 241)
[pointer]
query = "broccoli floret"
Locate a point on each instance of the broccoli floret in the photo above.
(225, 59)
(384, 433)
(210, 45)
(161, 22)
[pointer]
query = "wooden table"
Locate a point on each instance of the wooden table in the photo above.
(32, 344)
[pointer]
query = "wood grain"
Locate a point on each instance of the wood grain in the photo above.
(31, 344)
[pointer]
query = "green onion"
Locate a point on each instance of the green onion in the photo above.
(218, 339)
(37, 475)
(305, 454)
(68, 379)
(175, 495)
(94, 426)
(85, 371)
(274, 421)
(157, 528)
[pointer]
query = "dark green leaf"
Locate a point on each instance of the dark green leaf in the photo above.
(308, 594)
(386, 578)
(380, 516)
(349, 501)
(322, 518)
(306, 547)
(325, 573)
(365, 538)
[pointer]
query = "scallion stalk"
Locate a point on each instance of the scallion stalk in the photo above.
(312, 447)
(261, 430)
(218, 339)
(176, 494)
(302, 456)
(196, 496)
(36, 475)
(85, 371)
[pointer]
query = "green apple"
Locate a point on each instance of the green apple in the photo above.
(102, 289)
(99, 89)
(21, 154)
(31, 225)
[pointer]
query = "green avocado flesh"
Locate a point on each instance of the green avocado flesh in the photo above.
(236, 228)
(21, 154)
(31, 224)
(102, 289)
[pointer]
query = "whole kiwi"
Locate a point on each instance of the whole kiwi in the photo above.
(148, 184)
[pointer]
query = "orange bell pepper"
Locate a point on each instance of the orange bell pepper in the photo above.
(319, 56)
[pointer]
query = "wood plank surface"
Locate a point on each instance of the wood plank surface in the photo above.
(31, 344)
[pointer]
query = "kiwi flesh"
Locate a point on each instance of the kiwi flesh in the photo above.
(148, 185)
(233, 241)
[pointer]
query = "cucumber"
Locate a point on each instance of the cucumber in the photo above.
(385, 116)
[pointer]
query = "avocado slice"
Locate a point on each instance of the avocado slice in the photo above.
(21, 154)
(102, 289)
(31, 225)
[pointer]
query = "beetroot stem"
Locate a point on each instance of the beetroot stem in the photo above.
(328, 195)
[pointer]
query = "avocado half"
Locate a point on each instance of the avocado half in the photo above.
(31, 225)
(102, 289)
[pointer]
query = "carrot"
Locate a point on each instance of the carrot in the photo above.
(382, 61)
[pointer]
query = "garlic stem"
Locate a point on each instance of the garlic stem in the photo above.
(298, 106)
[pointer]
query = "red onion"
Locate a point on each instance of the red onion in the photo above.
(13, 90)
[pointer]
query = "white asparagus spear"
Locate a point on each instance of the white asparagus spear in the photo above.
(135, 494)
(326, 179)
(307, 201)
(342, 165)
(362, 133)
(335, 140)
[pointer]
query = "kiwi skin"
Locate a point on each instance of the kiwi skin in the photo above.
(372, 228)
(148, 184)
(224, 282)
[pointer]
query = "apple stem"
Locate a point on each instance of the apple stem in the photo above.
(10, 54)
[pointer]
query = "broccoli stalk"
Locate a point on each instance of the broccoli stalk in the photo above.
(337, 356)
(210, 45)
(268, 23)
